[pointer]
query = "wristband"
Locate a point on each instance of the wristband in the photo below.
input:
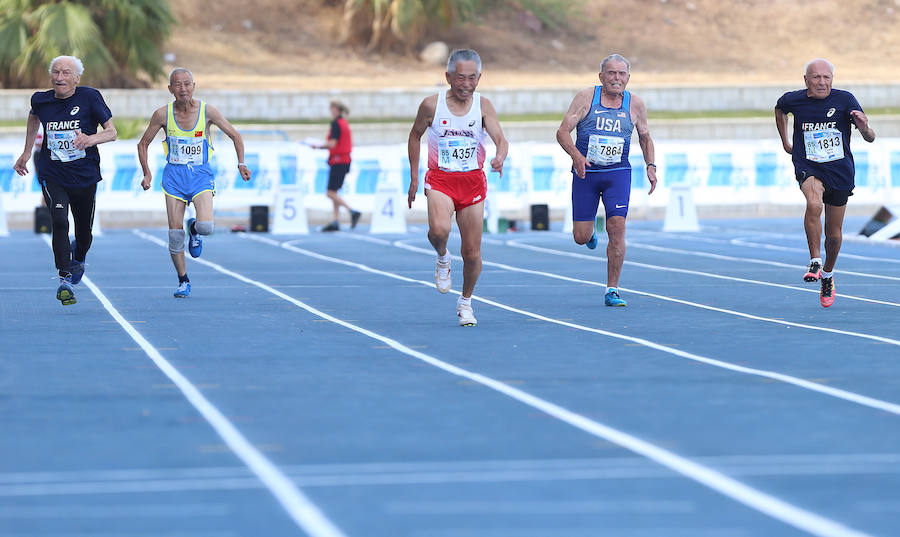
(241, 164)
(651, 164)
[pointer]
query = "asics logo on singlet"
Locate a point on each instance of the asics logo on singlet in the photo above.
(76, 109)
(830, 113)
(472, 124)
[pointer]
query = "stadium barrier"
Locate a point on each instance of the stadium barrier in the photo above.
(719, 173)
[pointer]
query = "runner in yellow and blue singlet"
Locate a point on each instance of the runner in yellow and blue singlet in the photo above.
(187, 172)
(187, 177)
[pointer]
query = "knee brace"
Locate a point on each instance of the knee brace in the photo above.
(203, 227)
(176, 241)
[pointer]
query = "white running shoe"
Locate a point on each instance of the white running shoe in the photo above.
(466, 315)
(442, 276)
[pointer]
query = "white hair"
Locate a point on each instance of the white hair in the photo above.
(180, 70)
(810, 62)
(463, 55)
(79, 67)
(615, 58)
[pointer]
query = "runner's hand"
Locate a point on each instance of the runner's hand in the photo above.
(145, 184)
(860, 119)
(651, 176)
(497, 165)
(578, 163)
(413, 186)
(21, 165)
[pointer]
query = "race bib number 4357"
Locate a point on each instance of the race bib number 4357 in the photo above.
(457, 154)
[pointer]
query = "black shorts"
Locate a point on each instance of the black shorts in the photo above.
(336, 175)
(835, 198)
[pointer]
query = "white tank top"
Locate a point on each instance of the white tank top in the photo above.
(456, 143)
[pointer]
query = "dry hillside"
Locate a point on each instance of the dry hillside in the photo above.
(293, 44)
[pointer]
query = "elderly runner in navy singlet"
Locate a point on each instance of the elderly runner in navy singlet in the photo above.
(823, 163)
(68, 166)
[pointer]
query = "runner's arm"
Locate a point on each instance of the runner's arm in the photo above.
(31, 129)
(214, 117)
(424, 117)
(157, 122)
(862, 124)
(639, 113)
(495, 131)
(781, 125)
(576, 112)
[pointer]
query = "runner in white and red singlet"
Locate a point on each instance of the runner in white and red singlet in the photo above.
(456, 121)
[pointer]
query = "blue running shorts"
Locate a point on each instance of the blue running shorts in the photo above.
(185, 181)
(613, 187)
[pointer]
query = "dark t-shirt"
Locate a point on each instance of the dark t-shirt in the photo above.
(821, 141)
(59, 161)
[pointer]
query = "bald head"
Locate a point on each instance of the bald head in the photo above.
(818, 78)
(820, 64)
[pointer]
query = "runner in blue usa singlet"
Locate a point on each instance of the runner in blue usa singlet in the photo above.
(604, 117)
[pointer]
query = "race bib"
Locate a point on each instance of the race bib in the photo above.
(457, 154)
(62, 145)
(605, 150)
(824, 145)
(186, 150)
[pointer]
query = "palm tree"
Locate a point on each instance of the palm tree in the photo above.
(117, 39)
(382, 24)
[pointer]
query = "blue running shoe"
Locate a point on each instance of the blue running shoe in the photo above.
(76, 267)
(184, 290)
(77, 270)
(613, 299)
(593, 242)
(65, 293)
(195, 244)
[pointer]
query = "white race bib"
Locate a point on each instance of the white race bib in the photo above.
(824, 145)
(62, 145)
(605, 150)
(457, 154)
(186, 150)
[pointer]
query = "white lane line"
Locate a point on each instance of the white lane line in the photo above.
(435, 473)
(767, 504)
(788, 379)
(297, 505)
(880, 339)
(721, 257)
(597, 259)
(799, 237)
(741, 241)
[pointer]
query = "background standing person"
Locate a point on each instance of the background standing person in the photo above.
(187, 177)
(69, 163)
(823, 163)
(604, 117)
(339, 145)
(456, 121)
